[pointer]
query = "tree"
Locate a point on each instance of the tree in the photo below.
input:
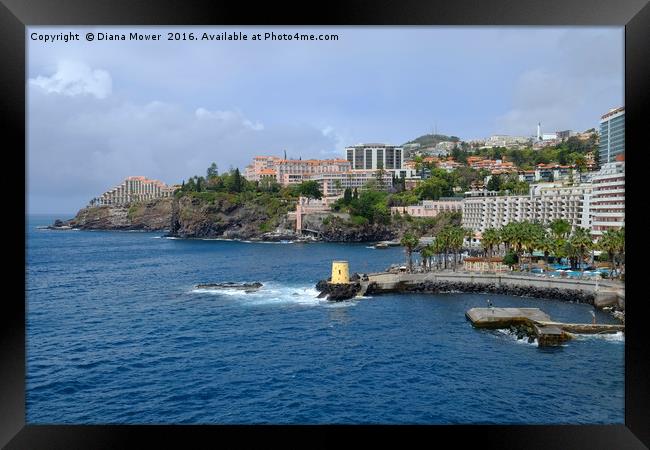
(494, 184)
(425, 253)
(581, 243)
(379, 175)
(347, 196)
(490, 240)
(355, 194)
(237, 181)
(310, 189)
(212, 171)
(428, 252)
(456, 236)
(560, 228)
(510, 259)
(409, 241)
(198, 184)
(613, 242)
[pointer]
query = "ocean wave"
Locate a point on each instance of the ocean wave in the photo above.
(513, 336)
(610, 337)
(270, 293)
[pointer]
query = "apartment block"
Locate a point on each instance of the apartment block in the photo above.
(134, 189)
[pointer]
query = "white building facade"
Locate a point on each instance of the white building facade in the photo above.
(375, 156)
(608, 202)
(429, 208)
(334, 183)
(134, 189)
(543, 204)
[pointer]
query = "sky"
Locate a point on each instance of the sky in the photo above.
(99, 111)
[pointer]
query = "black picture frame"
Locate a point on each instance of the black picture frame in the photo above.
(15, 15)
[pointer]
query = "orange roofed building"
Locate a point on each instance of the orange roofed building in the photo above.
(292, 171)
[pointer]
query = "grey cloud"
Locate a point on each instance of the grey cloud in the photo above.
(79, 146)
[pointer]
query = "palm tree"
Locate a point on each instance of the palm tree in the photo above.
(560, 228)
(571, 252)
(444, 237)
(438, 248)
(621, 246)
(613, 242)
(410, 241)
(426, 253)
(508, 235)
(489, 240)
(456, 242)
(608, 243)
(581, 241)
(534, 236)
(546, 245)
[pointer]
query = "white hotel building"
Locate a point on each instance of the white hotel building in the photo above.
(608, 199)
(334, 183)
(544, 203)
(378, 156)
(134, 189)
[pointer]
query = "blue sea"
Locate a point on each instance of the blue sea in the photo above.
(117, 334)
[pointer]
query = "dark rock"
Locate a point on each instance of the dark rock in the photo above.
(337, 291)
(248, 287)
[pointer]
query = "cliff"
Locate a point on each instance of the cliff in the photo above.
(338, 230)
(147, 216)
(246, 216)
(229, 216)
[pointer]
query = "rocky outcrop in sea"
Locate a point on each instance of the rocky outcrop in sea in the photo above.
(338, 292)
(154, 215)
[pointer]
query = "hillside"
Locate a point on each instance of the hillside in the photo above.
(430, 140)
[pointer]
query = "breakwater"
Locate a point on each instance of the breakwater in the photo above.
(599, 293)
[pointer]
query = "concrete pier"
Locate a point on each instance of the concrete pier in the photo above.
(504, 317)
(546, 331)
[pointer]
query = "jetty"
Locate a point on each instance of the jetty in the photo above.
(536, 323)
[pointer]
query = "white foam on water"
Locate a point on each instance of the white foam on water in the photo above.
(513, 336)
(269, 294)
(619, 336)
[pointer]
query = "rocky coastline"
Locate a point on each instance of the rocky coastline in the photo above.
(224, 218)
(440, 287)
(343, 292)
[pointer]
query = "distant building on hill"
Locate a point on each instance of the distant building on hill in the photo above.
(291, 171)
(134, 189)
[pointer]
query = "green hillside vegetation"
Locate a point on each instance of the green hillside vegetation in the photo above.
(231, 190)
(430, 140)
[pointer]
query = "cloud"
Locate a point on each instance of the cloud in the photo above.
(227, 116)
(79, 146)
(76, 78)
(571, 90)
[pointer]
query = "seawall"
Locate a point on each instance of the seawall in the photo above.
(599, 293)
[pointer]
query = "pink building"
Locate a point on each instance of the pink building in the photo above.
(309, 206)
(292, 171)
